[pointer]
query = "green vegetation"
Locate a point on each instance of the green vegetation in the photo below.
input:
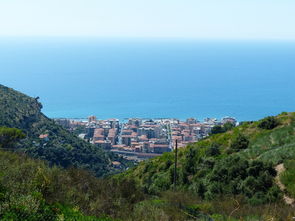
(30, 190)
(268, 123)
(238, 164)
(222, 128)
(58, 146)
(239, 143)
(227, 176)
(288, 177)
(9, 136)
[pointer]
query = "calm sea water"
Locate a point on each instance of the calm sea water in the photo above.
(152, 78)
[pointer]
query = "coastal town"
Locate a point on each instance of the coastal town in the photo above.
(138, 139)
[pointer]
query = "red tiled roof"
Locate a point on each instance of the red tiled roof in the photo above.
(118, 146)
(42, 136)
(116, 163)
(161, 145)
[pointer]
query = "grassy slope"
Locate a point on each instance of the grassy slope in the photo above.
(266, 149)
(63, 148)
(288, 177)
(269, 146)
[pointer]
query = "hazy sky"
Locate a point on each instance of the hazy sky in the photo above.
(221, 19)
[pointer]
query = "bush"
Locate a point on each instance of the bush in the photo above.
(217, 129)
(235, 175)
(268, 123)
(9, 136)
(213, 150)
(240, 142)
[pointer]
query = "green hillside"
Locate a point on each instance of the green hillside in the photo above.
(238, 165)
(60, 147)
(31, 190)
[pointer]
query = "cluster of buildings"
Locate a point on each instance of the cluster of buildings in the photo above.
(148, 136)
(143, 137)
(191, 130)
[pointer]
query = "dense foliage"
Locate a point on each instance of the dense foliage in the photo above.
(217, 129)
(236, 176)
(9, 136)
(268, 123)
(30, 190)
(239, 143)
(58, 146)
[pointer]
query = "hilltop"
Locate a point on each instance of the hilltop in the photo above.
(48, 141)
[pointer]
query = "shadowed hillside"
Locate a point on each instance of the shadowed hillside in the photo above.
(48, 141)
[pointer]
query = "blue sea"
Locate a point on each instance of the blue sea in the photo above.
(152, 78)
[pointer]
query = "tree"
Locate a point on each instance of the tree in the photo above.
(228, 126)
(9, 136)
(217, 129)
(240, 142)
(213, 150)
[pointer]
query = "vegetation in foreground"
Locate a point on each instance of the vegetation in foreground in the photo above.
(30, 190)
(218, 181)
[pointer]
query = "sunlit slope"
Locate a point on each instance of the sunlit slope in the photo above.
(238, 162)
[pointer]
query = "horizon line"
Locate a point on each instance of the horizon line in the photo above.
(144, 38)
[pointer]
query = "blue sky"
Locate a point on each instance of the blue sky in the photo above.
(203, 19)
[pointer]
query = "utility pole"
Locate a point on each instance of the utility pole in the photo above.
(175, 165)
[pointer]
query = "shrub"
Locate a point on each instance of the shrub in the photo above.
(217, 129)
(238, 176)
(268, 123)
(240, 142)
(213, 150)
(228, 126)
(9, 136)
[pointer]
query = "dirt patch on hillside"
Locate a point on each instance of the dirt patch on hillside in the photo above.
(280, 169)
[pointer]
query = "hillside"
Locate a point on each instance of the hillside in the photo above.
(48, 141)
(32, 191)
(236, 166)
